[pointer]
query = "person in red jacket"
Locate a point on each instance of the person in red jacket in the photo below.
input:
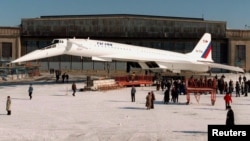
(228, 99)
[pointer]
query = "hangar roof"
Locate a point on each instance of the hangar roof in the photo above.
(120, 15)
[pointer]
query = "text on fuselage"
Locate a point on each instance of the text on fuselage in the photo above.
(104, 44)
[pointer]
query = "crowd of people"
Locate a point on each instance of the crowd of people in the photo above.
(65, 76)
(174, 88)
(150, 98)
(240, 86)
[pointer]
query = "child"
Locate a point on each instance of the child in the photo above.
(228, 99)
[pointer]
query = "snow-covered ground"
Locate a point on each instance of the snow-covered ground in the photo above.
(55, 115)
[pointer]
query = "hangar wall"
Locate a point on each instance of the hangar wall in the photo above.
(10, 44)
(168, 33)
(239, 48)
(120, 26)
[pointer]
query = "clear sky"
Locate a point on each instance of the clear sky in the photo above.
(235, 12)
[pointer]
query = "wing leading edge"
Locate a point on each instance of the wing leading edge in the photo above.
(197, 67)
(226, 67)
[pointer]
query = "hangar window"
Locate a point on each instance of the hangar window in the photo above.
(240, 55)
(30, 46)
(189, 46)
(219, 52)
(179, 47)
(42, 44)
(6, 50)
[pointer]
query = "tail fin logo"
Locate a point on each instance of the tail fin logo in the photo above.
(207, 51)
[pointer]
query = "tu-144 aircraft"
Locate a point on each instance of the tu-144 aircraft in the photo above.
(198, 60)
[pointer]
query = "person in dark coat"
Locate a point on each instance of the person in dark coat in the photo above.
(152, 99)
(148, 101)
(30, 90)
(237, 88)
(230, 117)
(163, 84)
(221, 85)
(74, 88)
(57, 75)
(67, 77)
(166, 96)
(246, 87)
(63, 77)
(133, 91)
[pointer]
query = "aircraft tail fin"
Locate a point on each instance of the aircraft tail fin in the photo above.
(203, 49)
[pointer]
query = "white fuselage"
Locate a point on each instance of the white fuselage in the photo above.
(117, 51)
(108, 51)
